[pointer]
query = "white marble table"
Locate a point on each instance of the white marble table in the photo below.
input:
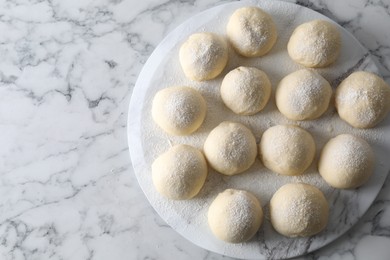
(67, 70)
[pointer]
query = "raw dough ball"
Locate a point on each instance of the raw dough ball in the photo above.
(303, 95)
(346, 162)
(203, 56)
(363, 99)
(179, 110)
(235, 216)
(245, 90)
(230, 148)
(287, 149)
(315, 44)
(251, 31)
(299, 210)
(179, 173)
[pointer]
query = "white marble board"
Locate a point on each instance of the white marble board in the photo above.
(147, 141)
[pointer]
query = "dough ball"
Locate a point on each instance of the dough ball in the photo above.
(245, 90)
(230, 148)
(299, 210)
(287, 149)
(235, 216)
(303, 95)
(179, 173)
(203, 56)
(363, 99)
(179, 110)
(346, 162)
(251, 31)
(315, 44)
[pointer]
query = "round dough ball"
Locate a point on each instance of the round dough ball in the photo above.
(179, 110)
(180, 172)
(251, 31)
(363, 99)
(299, 210)
(287, 149)
(203, 56)
(245, 90)
(303, 95)
(346, 162)
(230, 148)
(315, 44)
(235, 216)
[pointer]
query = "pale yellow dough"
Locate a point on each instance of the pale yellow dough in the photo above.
(230, 148)
(363, 99)
(251, 31)
(245, 90)
(287, 149)
(180, 172)
(235, 216)
(179, 110)
(315, 44)
(299, 210)
(346, 162)
(203, 56)
(303, 95)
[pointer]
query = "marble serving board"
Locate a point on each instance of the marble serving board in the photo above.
(189, 218)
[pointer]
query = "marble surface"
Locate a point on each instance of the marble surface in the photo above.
(67, 188)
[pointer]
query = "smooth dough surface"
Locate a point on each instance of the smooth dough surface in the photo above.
(346, 162)
(203, 56)
(245, 90)
(363, 99)
(230, 148)
(315, 44)
(235, 216)
(287, 149)
(179, 110)
(299, 210)
(303, 95)
(251, 31)
(180, 172)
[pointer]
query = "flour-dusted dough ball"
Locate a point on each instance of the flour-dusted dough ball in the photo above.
(287, 149)
(299, 210)
(245, 90)
(179, 110)
(303, 95)
(251, 31)
(346, 162)
(235, 216)
(180, 172)
(230, 148)
(203, 56)
(363, 99)
(315, 44)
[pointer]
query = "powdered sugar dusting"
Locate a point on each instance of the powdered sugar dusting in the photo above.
(287, 149)
(203, 55)
(256, 35)
(315, 49)
(251, 31)
(346, 161)
(308, 91)
(241, 213)
(230, 148)
(236, 150)
(315, 44)
(351, 154)
(362, 99)
(183, 109)
(178, 110)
